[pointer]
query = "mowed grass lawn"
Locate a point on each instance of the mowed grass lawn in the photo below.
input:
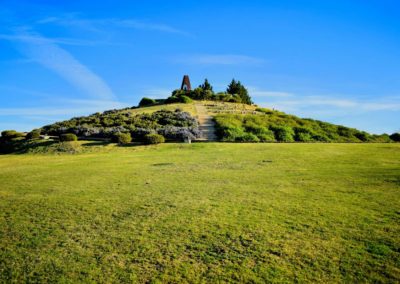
(202, 213)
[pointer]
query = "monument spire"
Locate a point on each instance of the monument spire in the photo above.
(186, 84)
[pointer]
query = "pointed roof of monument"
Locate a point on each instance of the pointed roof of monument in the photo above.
(186, 83)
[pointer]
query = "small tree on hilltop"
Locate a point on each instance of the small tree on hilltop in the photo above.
(235, 87)
(206, 86)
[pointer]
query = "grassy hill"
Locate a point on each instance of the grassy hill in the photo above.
(235, 122)
(203, 212)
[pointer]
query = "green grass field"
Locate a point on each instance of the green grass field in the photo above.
(203, 212)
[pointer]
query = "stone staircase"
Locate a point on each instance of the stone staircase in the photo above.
(206, 124)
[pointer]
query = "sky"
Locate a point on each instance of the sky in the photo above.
(332, 60)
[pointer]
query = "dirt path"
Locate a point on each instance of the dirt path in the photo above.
(206, 124)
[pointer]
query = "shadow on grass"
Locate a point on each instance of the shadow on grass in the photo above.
(26, 147)
(132, 144)
(96, 143)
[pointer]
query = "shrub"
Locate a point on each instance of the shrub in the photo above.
(8, 135)
(345, 131)
(255, 128)
(267, 137)
(264, 110)
(179, 133)
(34, 134)
(320, 138)
(248, 137)
(138, 134)
(146, 102)
(303, 134)
(395, 137)
(122, 138)
(70, 147)
(283, 133)
(231, 134)
(185, 100)
(172, 100)
(68, 137)
(363, 136)
(154, 139)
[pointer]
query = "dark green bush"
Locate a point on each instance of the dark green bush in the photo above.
(254, 128)
(346, 132)
(68, 137)
(172, 100)
(303, 134)
(283, 133)
(231, 134)
(247, 137)
(122, 138)
(382, 138)
(363, 136)
(146, 102)
(264, 110)
(395, 137)
(185, 100)
(8, 135)
(34, 134)
(321, 138)
(153, 139)
(267, 137)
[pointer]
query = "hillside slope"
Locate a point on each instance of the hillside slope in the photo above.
(234, 123)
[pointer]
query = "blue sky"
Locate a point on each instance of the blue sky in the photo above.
(337, 61)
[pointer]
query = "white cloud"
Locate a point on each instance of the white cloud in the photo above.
(99, 25)
(50, 55)
(286, 101)
(218, 59)
(75, 107)
(35, 39)
(255, 92)
(156, 93)
(308, 102)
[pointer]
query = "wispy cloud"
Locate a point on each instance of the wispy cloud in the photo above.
(255, 92)
(287, 101)
(77, 107)
(156, 93)
(34, 117)
(218, 59)
(42, 40)
(47, 53)
(99, 25)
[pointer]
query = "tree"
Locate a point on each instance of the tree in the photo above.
(34, 134)
(235, 87)
(395, 137)
(146, 102)
(206, 86)
(8, 135)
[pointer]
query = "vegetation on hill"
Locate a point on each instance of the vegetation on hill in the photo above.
(274, 126)
(202, 213)
(173, 125)
(234, 123)
(235, 93)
